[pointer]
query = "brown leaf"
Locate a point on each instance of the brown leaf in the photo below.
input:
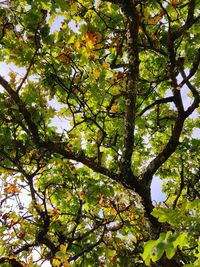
(174, 2)
(12, 188)
(64, 58)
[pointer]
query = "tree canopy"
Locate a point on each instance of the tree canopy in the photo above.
(122, 79)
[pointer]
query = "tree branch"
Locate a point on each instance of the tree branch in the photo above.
(166, 152)
(189, 21)
(24, 111)
(27, 72)
(59, 148)
(131, 88)
(89, 248)
(13, 262)
(181, 185)
(192, 72)
(24, 248)
(157, 102)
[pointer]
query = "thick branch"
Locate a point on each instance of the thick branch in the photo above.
(157, 102)
(25, 247)
(192, 72)
(166, 152)
(25, 113)
(194, 105)
(172, 73)
(131, 88)
(11, 261)
(189, 21)
(59, 148)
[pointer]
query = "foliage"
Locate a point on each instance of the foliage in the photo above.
(122, 79)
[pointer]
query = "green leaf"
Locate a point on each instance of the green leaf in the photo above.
(149, 249)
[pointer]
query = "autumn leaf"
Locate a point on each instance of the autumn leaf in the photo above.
(63, 248)
(77, 45)
(81, 195)
(96, 72)
(114, 260)
(56, 262)
(12, 188)
(13, 76)
(67, 50)
(35, 153)
(120, 75)
(66, 263)
(91, 38)
(154, 20)
(55, 213)
(13, 222)
(140, 31)
(30, 260)
(64, 26)
(68, 147)
(64, 58)
(174, 2)
(114, 108)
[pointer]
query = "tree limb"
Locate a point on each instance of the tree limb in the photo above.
(131, 88)
(157, 102)
(24, 111)
(168, 150)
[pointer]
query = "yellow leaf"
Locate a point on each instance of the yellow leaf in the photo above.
(12, 188)
(96, 72)
(81, 195)
(74, 8)
(104, 202)
(154, 20)
(77, 45)
(111, 211)
(91, 38)
(12, 75)
(154, 37)
(109, 5)
(13, 221)
(140, 31)
(34, 154)
(63, 248)
(64, 26)
(68, 147)
(56, 262)
(105, 65)
(30, 260)
(114, 108)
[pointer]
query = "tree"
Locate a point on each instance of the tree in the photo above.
(123, 78)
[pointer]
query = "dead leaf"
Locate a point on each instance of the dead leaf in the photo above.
(114, 108)
(64, 58)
